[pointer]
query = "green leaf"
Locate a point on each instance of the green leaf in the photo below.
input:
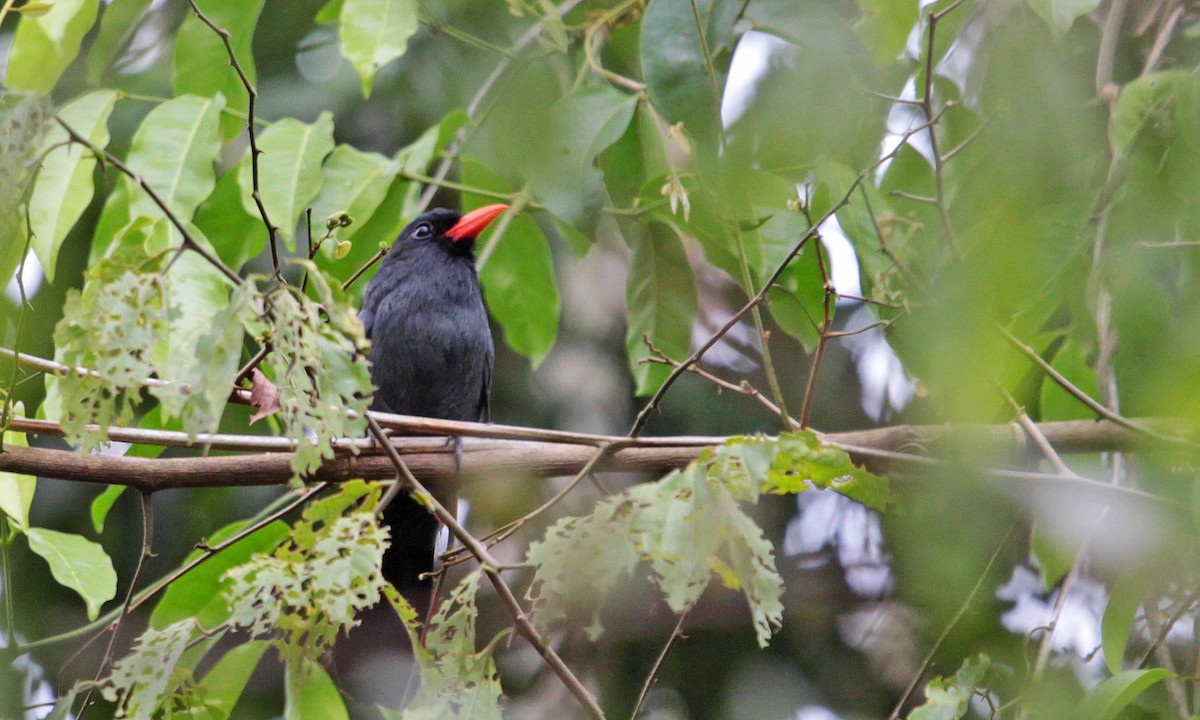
(183, 177)
(1062, 14)
(77, 563)
(1054, 560)
(1056, 403)
(1108, 698)
(802, 459)
(16, 491)
(950, 698)
(117, 25)
(44, 45)
(63, 189)
(201, 63)
(114, 217)
(203, 344)
(517, 272)
(201, 592)
(580, 125)
(679, 75)
(103, 504)
(142, 680)
(223, 685)
(885, 27)
(355, 182)
(24, 120)
(309, 693)
(329, 13)
(456, 680)
(375, 32)
(1142, 101)
(1119, 617)
(289, 171)
(234, 233)
(319, 366)
(660, 301)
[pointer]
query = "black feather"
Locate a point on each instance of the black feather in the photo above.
(431, 355)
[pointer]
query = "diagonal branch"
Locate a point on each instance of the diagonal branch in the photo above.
(189, 242)
(490, 567)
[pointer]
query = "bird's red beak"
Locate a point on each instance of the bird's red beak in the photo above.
(475, 222)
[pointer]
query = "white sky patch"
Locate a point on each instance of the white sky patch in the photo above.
(816, 712)
(750, 62)
(1077, 633)
(32, 277)
(829, 520)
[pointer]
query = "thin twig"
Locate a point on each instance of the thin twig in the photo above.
(810, 386)
(1163, 655)
(253, 363)
(1031, 429)
(958, 615)
(272, 230)
(939, 162)
(590, 48)
(1043, 656)
(505, 531)
(1165, 31)
(1086, 399)
(643, 416)
(861, 330)
(745, 388)
(126, 607)
(662, 655)
(1110, 36)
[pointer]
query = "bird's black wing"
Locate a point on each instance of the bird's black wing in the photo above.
(367, 316)
(485, 391)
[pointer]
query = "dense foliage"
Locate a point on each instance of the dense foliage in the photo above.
(205, 188)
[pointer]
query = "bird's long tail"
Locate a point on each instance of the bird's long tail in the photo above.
(414, 537)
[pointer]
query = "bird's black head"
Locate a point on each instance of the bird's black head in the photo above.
(454, 232)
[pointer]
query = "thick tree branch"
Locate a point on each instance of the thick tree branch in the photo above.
(552, 454)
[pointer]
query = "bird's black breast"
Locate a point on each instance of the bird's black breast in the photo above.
(431, 347)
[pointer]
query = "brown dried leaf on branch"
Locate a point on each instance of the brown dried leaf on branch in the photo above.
(264, 396)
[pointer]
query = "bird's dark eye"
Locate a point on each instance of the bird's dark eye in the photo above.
(424, 231)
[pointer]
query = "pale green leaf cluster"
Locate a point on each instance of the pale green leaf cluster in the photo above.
(299, 595)
(310, 589)
(458, 682)
(319, 366)
(133, 323)
(949, 698)
(690, 527)
(110, 328)
(141, 679)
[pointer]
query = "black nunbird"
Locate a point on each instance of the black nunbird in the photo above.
(431, 355)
